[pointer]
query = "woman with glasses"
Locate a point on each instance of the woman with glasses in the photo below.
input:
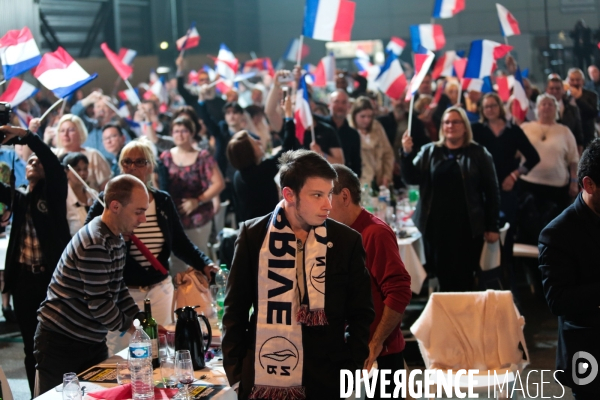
(508, 145)
(459, 200)
(161, 234)
(71, 134)
(194, 179)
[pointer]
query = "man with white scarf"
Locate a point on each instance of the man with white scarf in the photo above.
(304, 276)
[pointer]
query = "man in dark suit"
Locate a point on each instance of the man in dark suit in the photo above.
(569, 257)
(587, 101)
(338, 338)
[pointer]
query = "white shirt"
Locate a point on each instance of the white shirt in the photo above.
(76, 212)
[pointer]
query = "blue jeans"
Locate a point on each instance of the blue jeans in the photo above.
(57, 354)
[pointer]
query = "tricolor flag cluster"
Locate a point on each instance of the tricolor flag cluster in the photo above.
(329, 20)
(423, 60)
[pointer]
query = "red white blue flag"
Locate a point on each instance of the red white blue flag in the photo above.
(396, 45)
(391, 79)
(430, 36)
(325, 71)
(18, 52)
(17, 92)
(190, 40)
(508, 23)
(447, 8)
(61, 74)
(329, 20)
(302, 114)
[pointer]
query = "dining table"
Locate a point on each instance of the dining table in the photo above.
(412, 253)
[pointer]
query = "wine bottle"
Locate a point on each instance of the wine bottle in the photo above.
(151, 328)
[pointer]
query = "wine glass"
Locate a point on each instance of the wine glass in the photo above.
(167, 371)
(183, 355)
(185, 373)
(71, 389)
(163, 347)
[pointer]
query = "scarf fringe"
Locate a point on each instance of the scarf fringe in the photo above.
(278, 393)
(311, 318)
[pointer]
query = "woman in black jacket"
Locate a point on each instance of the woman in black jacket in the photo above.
(459, 203)
(161, 234)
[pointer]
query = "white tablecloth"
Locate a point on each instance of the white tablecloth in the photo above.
(214, 372)
(412, 253)
(3, 247)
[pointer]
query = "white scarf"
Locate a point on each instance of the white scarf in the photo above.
(279, 355)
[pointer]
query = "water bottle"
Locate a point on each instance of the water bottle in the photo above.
(382, 202)
(221, 281)
(365, 199)
(140, 364)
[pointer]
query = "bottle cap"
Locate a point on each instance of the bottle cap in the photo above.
(136, 323)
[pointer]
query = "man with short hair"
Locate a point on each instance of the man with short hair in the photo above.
(390, 282)
(567, 109)
(39, 233)
(305, 277)
(113, 141)
(594, 82)
(587, 101)
(569, 255)
(87, 296)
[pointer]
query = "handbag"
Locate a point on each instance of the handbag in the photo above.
(192, 289)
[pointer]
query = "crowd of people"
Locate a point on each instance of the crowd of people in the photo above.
(477, 165)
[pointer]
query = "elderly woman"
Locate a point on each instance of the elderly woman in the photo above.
(161, 234)
(194, 179)
(459, 203)
(71, 134)
(553, 181)
(376, 151)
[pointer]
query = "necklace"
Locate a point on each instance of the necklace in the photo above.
(545, 132)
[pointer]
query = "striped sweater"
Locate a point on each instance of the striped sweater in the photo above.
(87, 296)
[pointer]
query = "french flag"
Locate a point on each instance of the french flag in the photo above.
(482, 58)
(190, 40)
(61, 74)
(18, 52)
(212, 74)
(430, 36)
(508, 23)
(391, 79)
(302, 114)
(17, 92)
(325, 71)
(291, 53)
(444, 66)
(396, 45)
(447, 8)
(478, 85)
(226, 65)
(423, 60)
(521, 101)
(127, 55)
(132, 96)
(122, 69)
(329, 20)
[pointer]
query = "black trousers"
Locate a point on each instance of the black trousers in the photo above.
(30, 292)
(585, 396)
(57, 354)
(393, 362)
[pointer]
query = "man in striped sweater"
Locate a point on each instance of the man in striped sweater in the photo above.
(87, 296)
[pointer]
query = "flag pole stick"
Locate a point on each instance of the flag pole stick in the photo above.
(62, 108)
(85, 185)
(112, 107)
(459, 92)
(50, 109)
(219, 79)
(132, 90)
(410, 113)
(299, 55)
(2, 82)
(312, 133)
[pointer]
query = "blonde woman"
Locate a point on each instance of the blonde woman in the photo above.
(376, 151)
(71, 133)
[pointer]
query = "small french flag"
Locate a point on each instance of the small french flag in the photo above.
(423, 60)
(132, 96)
(447, 8)
(521, 101)
(291, 53)
(325, 71)
(127, 56)
(226, 65)
(482, 58)
(190, 40)
(18, 52)
(430, 36)
(477, 85)
(17, 92)
(444, 66)
(508, 23)
(59, 73)
(330, 20)
(302, 114)
(212, 74)
(396, 45)
(391, 79)
(122, 69)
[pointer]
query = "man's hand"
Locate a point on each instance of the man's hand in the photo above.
(316, 148)
(374, 352)
(179, 62)
(92, 98)
(10, 132)
(188, 205)
(576, 92)
(491, 237)
(407, 142)
(508, 183)
(34, 124)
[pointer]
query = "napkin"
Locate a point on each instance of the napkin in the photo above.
(123, 392)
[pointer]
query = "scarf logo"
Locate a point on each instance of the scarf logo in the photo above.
(42, 206)
(317, 275)
(278, 356)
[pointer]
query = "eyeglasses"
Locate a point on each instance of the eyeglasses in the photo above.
(453, 122)
(490, 106)
(140, 162)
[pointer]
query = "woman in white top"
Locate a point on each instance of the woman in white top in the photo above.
(71, 134)
(376, 152)
(79, 199)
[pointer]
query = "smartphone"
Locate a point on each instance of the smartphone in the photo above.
(286, 91)
(282, 79)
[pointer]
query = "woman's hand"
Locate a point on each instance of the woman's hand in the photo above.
(407, 142)
(188, 205)
(287, 106)
(573, 189)
(508, 183)
(491, 237)
(208, 269)
(34, 124)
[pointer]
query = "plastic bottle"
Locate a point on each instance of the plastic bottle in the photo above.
(221, 281)
(151, 328)
(365, 199)
(140, 364)
(382, 202)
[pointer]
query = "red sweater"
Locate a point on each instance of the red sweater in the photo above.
(390, 282)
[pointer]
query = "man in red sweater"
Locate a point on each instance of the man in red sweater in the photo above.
(390, 282)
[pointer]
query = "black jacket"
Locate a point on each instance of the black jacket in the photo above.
(342, 344)
(480, 185)
(417, 131)
(571, 118)
(47, 203)
(176, 241)
(350, 140)
(569, 255)
(588, 109)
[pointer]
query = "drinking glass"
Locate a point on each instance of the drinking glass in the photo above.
(185, 374)
(163, 348)
(183, 355)
(167, 371)
(71, 389)
(123, 373)
(171, 344)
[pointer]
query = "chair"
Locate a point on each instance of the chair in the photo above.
(473, 330)
(6, 392)
(522, 250)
